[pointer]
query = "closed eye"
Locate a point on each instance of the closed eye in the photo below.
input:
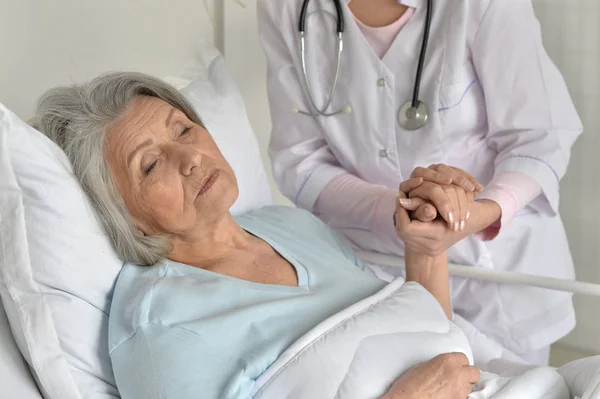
(150, 167)
(185, 131)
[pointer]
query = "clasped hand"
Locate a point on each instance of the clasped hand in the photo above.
(437, 208)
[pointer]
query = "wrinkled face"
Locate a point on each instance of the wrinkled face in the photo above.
(168, 170)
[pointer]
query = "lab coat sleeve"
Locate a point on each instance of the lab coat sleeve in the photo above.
(171, 362)
(532, 121)
(302, 161)
(359, 204)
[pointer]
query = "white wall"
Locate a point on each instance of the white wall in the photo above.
(246, 61)
(572, 35)
(54, 42)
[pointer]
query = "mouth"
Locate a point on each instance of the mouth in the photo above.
(209, 181)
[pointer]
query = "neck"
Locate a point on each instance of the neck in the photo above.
(377, 13)
(212, 243)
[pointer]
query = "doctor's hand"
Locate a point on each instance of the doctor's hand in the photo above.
(444, 174)
(447, 376)
(427, 199)
(434, 237)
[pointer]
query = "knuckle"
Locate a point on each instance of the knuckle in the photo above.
(438, 190)
(446, 357)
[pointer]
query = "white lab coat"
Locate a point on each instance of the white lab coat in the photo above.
(497, 103)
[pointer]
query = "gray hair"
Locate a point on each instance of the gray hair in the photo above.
(77, 119)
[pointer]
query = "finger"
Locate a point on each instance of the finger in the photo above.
(459, 178)
(464, 206)
(467, 390)
(401, 217)
(411, 204)
(451, 192)
(474, 181)
(432, 176)
(410, 184)
(473, 374)
(470, 200)
(460, 359)
(425, 213)
(428, 230)
(434, 193)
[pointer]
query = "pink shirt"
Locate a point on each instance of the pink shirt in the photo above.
(381, 38)
(369, 206)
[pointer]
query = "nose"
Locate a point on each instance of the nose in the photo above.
(188, 160)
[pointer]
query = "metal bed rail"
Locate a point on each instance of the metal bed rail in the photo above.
(575, 287)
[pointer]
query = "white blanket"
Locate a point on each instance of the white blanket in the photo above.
(359, 352)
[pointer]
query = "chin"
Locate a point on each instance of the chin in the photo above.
(219, 198)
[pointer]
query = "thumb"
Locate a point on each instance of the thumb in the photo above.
(411, 204)
(425, 213)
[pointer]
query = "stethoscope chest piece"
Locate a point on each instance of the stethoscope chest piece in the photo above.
(413, 118)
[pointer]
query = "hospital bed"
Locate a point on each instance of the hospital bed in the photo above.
(41, 51)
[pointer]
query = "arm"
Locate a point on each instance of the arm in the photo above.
(368, 206)
(432, 274)
(512, 191)
(359, 204)
(531, 118)
(169, 362)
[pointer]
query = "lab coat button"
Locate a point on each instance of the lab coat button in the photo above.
(381, 82)
(384, 153)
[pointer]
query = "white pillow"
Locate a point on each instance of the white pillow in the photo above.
(15, 379)
(57, 268)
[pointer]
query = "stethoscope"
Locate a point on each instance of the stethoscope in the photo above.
(412, 115)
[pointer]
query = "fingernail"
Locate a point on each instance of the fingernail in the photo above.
(405, 201)
(470, 186)
(428, 212)
(468, 214)
(462, 226)
(479, 187)
(456, 226)
(451, 217)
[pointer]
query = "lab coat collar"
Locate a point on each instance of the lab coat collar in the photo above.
(409, 3)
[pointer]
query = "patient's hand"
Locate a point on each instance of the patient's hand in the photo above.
(419, 233)
(447, 376)
(433, 238)
(450, 191)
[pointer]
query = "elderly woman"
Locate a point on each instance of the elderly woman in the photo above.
(224, 296)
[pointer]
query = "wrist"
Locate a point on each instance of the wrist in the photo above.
(484, 213)
(419, 260)
(419, 267)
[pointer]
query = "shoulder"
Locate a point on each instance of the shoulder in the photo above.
(479, 11)
(132, 299)
(275, 9)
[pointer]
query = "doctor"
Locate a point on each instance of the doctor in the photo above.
(372, 89)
